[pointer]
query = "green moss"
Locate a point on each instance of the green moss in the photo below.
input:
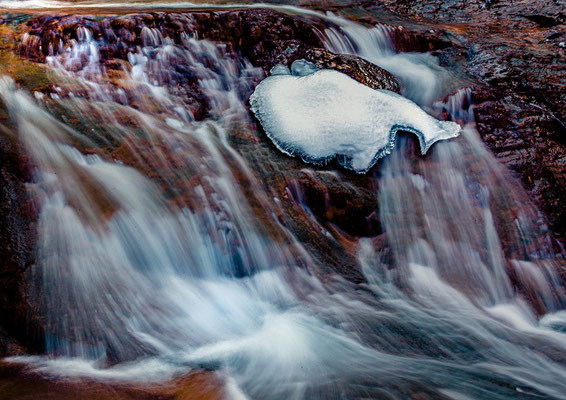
(27, 74)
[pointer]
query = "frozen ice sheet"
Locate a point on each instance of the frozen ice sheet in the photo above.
(327, 114)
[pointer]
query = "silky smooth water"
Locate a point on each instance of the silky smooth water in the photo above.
(167, 256)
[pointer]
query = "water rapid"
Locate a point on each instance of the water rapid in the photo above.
(166, 254)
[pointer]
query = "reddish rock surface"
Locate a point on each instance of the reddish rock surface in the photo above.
(514, 54)
(17, 383)
(517, 70)
(344, 203)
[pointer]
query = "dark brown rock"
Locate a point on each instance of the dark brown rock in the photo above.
(18, 383)
(348, 206)
(511, 52)
(264, 37)
(357, 68)
(17, 234)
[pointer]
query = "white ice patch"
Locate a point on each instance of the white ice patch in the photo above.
(327, 114)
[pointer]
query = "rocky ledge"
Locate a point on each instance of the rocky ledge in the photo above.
(518, 90)
(514, 54)
(343, 204)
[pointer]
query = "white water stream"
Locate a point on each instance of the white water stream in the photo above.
(136, 286)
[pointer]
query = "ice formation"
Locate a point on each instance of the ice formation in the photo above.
(303, 68)
(298, 68)
(326, 114)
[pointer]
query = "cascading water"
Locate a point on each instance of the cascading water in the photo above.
(155, 259)
(420, 75)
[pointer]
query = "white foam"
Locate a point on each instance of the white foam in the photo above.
(327, 114)
(555, 321)
(142, 370)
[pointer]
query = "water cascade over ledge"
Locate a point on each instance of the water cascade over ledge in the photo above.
(167, 253)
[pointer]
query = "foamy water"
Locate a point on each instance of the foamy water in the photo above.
(161, 260)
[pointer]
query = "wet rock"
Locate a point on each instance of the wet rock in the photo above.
(326, 208)
(17, 382)
(518, 96)
(17, 219)
(545, 20)
(348, 206)
(511, 53)
(337, 208)
(268, 38)
(264, 37)
(355, 67)
(520, 112)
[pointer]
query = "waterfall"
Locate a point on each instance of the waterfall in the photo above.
(441, 211)
(420, 74)
(160, 251)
